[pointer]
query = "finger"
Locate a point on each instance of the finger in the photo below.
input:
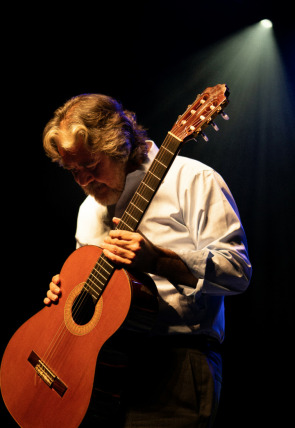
(52, 296)
(118, 259)
(125, 251)
(112, 240)
(47, 301)
(54, 288)
(123, 234)
(56, 279)
(130, 240)
(122, 243)
(116, 220)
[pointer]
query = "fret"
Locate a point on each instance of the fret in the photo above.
(148, 186)
(104, 260)
(127, 213)
(154, 175)
(127, 225)
(99, 273)
(95, 284)
(142, 197)
(135, 206)
(165, 148)
(101, 266)
(93, 290)
(157, 160)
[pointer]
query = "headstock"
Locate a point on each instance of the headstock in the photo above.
(201, 113)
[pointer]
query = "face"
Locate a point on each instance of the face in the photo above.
(98, 174)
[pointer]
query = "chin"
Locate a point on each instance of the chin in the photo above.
(104, 196)
(107, 200)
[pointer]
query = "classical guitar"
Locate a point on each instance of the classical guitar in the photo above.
(48, 367)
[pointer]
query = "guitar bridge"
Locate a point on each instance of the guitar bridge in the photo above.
(47, 375)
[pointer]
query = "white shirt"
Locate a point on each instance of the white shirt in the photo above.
(194, 214)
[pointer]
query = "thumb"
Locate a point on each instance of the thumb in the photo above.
(116, 220)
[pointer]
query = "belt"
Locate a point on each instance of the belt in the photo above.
(193, 341)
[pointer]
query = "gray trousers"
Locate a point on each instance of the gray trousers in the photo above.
(156, 383)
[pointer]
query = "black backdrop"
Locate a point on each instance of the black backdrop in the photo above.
(155, 58)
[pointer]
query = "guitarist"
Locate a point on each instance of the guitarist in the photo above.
(190, 241)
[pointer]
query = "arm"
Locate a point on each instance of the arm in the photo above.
(220, 259)
(216, 261)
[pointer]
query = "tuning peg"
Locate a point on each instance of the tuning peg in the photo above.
(224, 115)
(214, 126)
(204, 136)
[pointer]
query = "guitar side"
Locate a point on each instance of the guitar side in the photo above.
(48, 367)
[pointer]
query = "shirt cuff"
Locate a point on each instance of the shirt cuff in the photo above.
(196, 262)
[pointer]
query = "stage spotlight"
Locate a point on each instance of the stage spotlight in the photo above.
(266, 23)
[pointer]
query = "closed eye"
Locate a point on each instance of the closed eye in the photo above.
(89, 167)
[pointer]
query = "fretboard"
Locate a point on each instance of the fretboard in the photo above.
(135, 210)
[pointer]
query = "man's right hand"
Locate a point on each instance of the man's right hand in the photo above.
(54, 291)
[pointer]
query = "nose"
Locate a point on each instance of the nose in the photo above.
(83, 177)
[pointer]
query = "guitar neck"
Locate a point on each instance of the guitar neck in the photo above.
(103, 270)
(150, 183)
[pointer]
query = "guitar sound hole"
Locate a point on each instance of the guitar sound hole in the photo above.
(83, 308)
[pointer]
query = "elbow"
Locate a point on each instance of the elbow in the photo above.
(242, 280)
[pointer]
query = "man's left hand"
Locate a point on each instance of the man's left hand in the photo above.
(131, 249)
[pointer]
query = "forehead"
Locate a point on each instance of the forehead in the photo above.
(76, 155)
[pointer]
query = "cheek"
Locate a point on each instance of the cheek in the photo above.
(100, 174)
(112, 172)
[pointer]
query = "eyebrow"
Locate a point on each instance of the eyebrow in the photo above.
(83, 165)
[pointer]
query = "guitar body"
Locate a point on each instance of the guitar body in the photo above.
(48, 367)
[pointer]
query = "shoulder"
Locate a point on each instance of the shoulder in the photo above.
(91, 212)
(193, 176)
(93, 222)
(190, 165)
(89, 205)
(189, 170)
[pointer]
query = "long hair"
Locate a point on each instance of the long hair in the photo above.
(104, 125)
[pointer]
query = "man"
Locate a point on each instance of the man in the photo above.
(190, 241)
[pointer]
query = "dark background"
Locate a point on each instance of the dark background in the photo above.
(155, 57)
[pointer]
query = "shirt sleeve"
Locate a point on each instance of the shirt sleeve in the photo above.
(220, 262)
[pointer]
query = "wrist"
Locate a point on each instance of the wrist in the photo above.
(169, 265)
